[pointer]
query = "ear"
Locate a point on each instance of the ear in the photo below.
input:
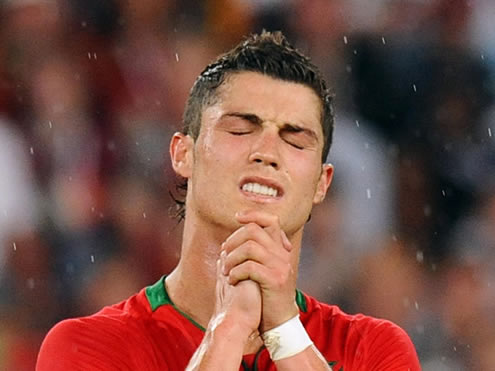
(181, 154)
(323, 183)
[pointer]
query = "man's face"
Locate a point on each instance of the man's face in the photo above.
(259, 147)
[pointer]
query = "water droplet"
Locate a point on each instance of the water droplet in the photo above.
(490, 132)
(30, 283)
(345, 39)
(414, 88)
(482, 57)
(443, 192)
(455, 348)
(84, 24)
(31, 150)
(50, 125)
(177, 57)
(420, 256)
(427, 210)
(89, 55)
(94, 56)
(416, 305)
(354, 52)
(383, 40)
(357, 123)
(144, 215)
(368, 193)
(92, 258)
(15, 246)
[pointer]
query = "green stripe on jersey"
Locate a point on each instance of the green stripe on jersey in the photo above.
(301, 301)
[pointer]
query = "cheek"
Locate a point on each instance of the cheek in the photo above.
(306, 172)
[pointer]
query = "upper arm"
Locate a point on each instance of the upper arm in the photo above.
(389, 348)
(75, 345)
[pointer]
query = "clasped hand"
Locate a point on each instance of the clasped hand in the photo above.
(255, 279)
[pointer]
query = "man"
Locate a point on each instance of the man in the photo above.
(258, 126)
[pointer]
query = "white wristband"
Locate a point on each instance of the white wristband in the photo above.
(287, 339)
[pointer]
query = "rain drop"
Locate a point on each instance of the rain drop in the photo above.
(357, 123)
(31, 150)
(345, 39)
(490, 132)
(414, 88)
(383, 40)
(92, 258)
(50, 125)
(368, 193)
(177, 57)
(427, 210)
(420, 256)
(94, 56)
(443, 192)
(15, 246)
(144, 215)
(416, 305)
(89, 55)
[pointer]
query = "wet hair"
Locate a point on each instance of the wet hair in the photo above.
(270, 54)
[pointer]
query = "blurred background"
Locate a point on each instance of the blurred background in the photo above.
(91, 91)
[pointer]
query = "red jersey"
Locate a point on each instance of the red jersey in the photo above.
(148, 332)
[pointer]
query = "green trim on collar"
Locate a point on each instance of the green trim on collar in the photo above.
(157, 296)
(301, 301)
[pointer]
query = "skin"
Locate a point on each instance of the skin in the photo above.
(244, 248)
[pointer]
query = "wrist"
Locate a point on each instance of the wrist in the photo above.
(232, 330)
(269, 323)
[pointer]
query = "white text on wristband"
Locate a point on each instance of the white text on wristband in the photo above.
(286, 340)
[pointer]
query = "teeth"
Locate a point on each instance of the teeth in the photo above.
(260, 189)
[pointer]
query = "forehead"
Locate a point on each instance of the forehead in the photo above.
(271, 99)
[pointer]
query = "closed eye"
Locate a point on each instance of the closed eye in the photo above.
(299, 138)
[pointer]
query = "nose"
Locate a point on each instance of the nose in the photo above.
(264, 149)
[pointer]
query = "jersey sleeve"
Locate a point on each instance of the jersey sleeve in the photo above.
(388, 348)
(76, 345)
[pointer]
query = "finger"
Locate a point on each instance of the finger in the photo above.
(269, 222)
(249, 270)
(249, 232)
(285, 241)
(249, 250)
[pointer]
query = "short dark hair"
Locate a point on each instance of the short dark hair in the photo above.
(268, 53)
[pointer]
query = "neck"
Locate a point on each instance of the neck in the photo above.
(191, 285)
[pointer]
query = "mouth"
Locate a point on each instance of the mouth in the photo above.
(261, 188)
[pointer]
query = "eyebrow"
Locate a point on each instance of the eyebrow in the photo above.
(255, 119)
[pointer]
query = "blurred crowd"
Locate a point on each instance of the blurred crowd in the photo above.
(91, 91)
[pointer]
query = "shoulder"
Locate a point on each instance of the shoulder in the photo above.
(378, 343)
(98, 340)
